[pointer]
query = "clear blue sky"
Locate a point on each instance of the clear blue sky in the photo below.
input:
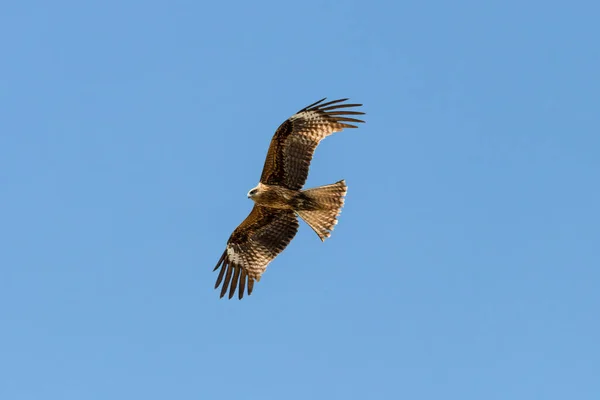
(466, 262)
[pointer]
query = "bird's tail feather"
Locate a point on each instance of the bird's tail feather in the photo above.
(326, 203)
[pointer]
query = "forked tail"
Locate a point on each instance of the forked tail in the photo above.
(321, 206)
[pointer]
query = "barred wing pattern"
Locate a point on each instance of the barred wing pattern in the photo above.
(295, 141)
(264, 234)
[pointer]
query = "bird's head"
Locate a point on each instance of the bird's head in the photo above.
(253, 192)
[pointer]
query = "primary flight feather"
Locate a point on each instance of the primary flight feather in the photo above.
(278, 198)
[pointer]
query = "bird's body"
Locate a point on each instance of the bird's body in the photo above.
(279, 197)
(274, 196)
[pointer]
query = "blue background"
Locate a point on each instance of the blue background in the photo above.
(465, 264)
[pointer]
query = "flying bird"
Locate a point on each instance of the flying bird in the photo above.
(279, 198)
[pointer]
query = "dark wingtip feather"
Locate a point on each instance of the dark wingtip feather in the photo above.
(345, 112)
(346, 119)
(234, 281)
(221, 260)
(250, 285)
(243, 277)
(222, 272)
(338, 106)
(313, 104)
(227, 280)
(329, 103)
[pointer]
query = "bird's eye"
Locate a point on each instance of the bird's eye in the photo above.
(253, 191)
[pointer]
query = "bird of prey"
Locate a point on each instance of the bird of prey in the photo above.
(279, 198)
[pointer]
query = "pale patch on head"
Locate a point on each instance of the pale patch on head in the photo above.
(255, 190)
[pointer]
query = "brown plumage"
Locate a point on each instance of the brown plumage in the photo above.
(278, 198)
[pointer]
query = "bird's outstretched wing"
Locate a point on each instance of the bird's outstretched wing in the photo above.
(295, 141)
(252, 246)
